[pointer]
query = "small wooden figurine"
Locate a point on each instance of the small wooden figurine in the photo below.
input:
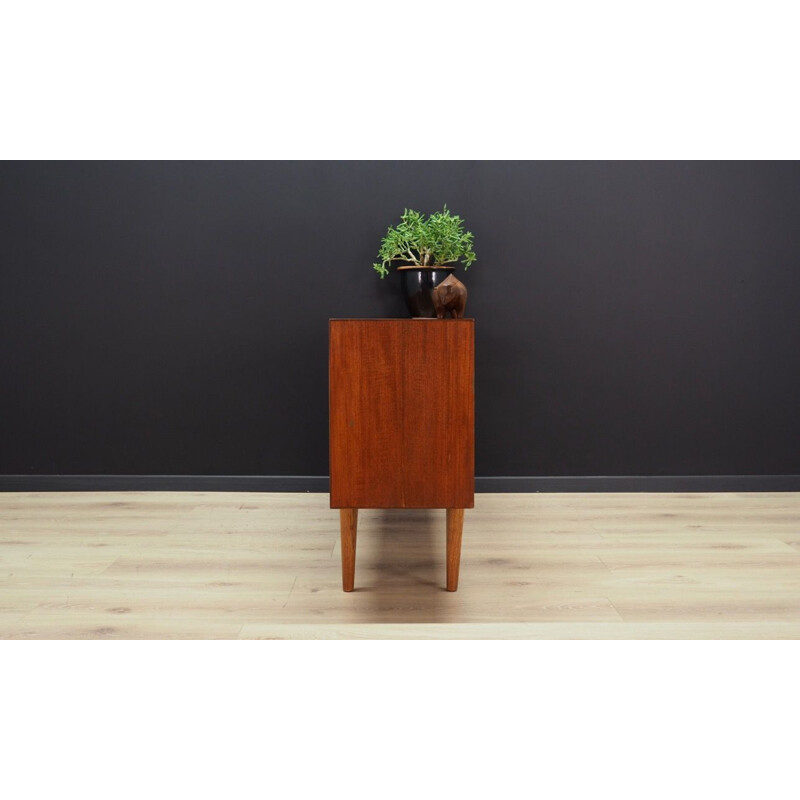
(450, 295)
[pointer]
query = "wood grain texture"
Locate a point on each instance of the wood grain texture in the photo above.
(348, 520)
(402, 413)
(455, 526)
(201, 565)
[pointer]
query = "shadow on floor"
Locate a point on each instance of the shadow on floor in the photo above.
(401, 574)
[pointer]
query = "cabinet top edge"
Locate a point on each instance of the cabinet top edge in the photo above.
(399, 319)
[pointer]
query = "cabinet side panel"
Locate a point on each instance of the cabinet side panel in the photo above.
(461, 402)
(366, 413)
(438, 366)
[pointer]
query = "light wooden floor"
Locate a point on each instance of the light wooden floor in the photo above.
(193, 565)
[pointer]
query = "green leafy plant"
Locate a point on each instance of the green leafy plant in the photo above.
(438, 240)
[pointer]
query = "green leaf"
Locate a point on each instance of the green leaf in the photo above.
(439, 239)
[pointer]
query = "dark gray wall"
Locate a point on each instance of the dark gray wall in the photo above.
(171, 318)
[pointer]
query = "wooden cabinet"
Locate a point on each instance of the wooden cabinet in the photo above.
(402, 423)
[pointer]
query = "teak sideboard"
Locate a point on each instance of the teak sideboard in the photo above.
(402, 423)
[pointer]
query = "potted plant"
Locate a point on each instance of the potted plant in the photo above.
(427, 250)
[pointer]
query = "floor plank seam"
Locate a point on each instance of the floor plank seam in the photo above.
(290, 591)
(616, 610)
(610, 571)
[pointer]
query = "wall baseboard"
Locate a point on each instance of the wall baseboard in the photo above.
(164, 483)
(641, 483)
(320, 483)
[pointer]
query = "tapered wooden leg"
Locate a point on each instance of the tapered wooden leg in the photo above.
(348, 519)
(455, 525)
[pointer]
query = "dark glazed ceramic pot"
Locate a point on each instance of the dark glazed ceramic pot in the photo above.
(417, 284)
